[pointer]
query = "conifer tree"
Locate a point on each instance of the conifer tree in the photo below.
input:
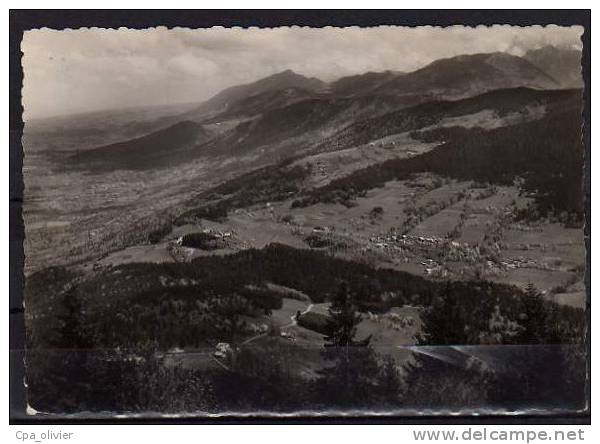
(343, 320)
(444, 322)
(352, 380)
(534, 317)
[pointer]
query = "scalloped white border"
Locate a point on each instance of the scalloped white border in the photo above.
(100, 434)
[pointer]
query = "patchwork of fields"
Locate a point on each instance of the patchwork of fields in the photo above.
(427, 225)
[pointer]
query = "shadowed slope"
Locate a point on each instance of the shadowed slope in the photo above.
(159, 148)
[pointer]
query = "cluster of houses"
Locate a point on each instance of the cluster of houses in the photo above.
(453, 250)
(521, 262)
(388, 239)
(404, 245)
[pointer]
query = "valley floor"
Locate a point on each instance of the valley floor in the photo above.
(430, 226)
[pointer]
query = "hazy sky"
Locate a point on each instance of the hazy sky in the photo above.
(91, 69)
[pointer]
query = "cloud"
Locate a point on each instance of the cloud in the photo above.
(90, 69)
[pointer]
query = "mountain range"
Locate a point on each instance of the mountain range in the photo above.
(287, 114)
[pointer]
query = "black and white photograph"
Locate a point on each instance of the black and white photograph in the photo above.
(303, 221)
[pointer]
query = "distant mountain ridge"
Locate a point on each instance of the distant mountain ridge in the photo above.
(453, 77)
(362, 83)
(470, 75)
(282, 80)
(287, 114)
(563, 64)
